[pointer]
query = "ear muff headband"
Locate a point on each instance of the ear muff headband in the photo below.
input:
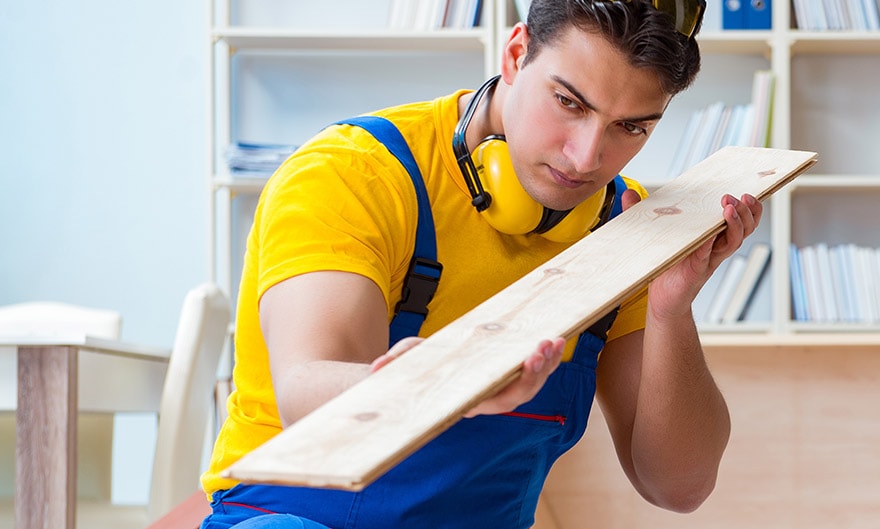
(479, 198)
(498, 195)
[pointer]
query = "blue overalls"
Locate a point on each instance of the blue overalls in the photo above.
(481, 473)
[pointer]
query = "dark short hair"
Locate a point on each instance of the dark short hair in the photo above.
(641, 32)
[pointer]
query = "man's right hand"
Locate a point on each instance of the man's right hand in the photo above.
(535, 371)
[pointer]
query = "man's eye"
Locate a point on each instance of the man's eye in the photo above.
(634, 129)
(566, 102)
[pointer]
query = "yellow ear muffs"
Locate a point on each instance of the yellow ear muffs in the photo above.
(583, 218)
(513, 211)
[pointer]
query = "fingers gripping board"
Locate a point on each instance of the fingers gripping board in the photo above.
(356, 437)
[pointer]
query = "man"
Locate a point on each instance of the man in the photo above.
(582, 87)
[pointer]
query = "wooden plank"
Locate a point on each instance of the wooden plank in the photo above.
(356, 437)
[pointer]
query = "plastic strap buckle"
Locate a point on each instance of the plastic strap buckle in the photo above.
(419, 285)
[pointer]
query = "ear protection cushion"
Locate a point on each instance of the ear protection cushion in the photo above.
(583, 218)
(513, 210)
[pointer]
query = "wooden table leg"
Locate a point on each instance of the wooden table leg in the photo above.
(45, 449)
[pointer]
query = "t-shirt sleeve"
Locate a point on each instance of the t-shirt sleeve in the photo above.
(334, 209)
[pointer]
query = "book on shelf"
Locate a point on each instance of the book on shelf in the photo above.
(868, 266)
(837, 15)
(733, 14)
(759, 14)
(746, 14)
(719, 125)
(434, 14)
(744, 292)
(871, 9)
(813, 284)
(799, 9)
(845, 293)
(736, 265)
(682, 153)
(762, 101)
(796, 277)
(828, 286)
(256, 159)
(835, 284)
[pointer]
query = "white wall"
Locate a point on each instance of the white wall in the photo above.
(102, 156)
(103, 185)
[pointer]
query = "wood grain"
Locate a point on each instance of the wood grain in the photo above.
(45, 469)
(353, 439)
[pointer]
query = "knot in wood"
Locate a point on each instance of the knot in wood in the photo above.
(553, 271)
(494, 327)
(367, 416)
(768, 172)
(667, 210)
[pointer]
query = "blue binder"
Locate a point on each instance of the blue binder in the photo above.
(734, 14)
(758, 14)
(746, 14)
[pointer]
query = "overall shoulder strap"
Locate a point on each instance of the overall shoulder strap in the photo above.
(423, 275)
(600, 328)
(619, 188)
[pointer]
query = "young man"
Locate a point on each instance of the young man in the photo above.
(582, 86)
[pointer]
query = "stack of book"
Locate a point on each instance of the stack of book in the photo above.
(837, 15)
(738, 285)
(434, 14)
(256, 159)
(835, 284)
(720, 125)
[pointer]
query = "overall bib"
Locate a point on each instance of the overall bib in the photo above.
(483, 472)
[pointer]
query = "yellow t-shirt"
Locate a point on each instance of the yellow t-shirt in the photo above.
(343, 202)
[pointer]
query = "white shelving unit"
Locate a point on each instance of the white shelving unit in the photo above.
(281, 70)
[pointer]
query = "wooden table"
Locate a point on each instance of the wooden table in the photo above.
(47, 407)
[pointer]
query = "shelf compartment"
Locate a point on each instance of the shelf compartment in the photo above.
(736, 42)
(839, 124)
(834, 42)
(365, 40)
(248, 186)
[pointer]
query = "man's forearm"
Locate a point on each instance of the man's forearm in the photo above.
(311, 384)
(682, 424)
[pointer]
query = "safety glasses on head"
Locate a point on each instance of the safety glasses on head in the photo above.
(686, 14)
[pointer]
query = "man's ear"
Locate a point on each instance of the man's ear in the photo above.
(514, 52)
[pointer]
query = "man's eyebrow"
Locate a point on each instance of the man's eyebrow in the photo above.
(583, 101)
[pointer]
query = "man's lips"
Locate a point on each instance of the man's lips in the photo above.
(564, 180)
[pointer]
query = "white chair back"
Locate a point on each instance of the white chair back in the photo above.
(187, 397)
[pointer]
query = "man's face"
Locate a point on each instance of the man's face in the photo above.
(575, 115)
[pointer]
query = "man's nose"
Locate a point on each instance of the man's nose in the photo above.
(583, 148)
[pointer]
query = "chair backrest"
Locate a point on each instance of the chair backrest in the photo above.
(187, 397)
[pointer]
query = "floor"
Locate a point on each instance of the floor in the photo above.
(804, 452)
(90, 515)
